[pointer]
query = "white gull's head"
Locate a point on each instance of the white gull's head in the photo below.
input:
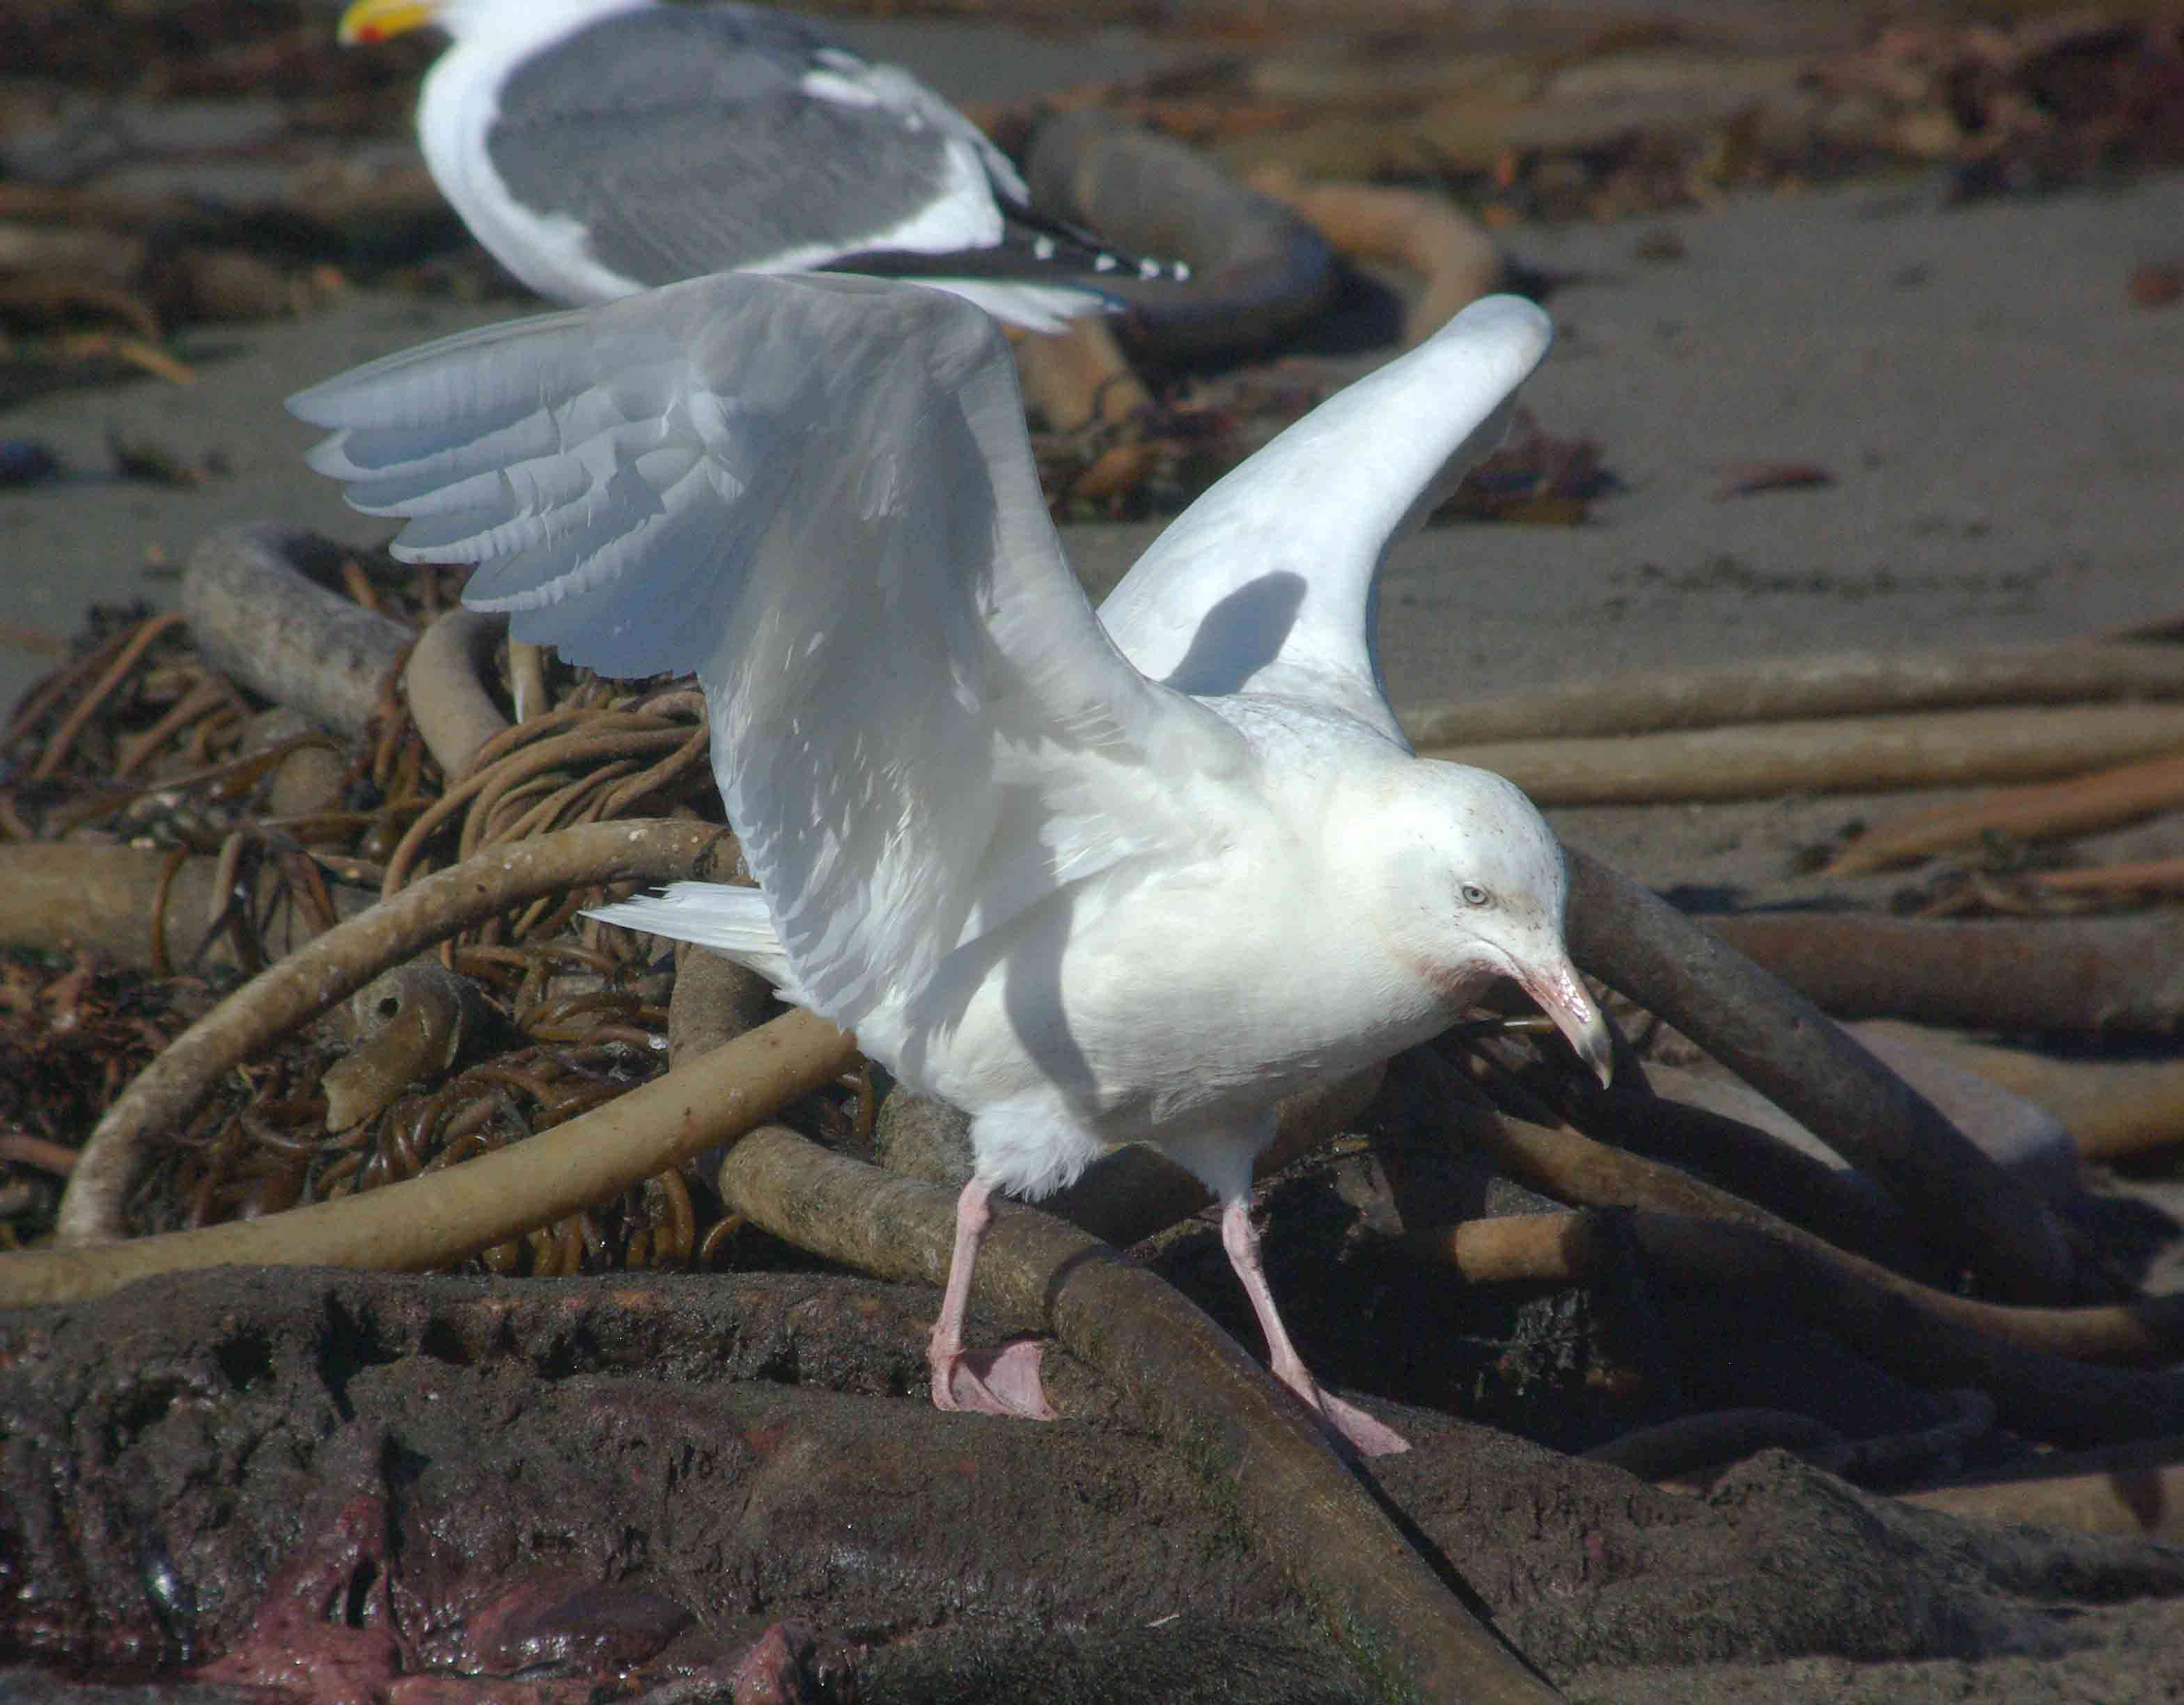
(1473, 886)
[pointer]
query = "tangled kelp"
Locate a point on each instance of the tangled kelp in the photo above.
(138, 748)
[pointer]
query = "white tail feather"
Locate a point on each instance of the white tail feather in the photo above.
(732, 922)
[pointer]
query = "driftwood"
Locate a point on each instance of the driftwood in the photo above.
(2133, 1490)
(411, 1022)
(1257, 1443)
(2110, 1107)
(2080, 805)
(256, 616)
(337, 964)
(447, 699)
(444, 1216)
(2020, 1357)
(1708, 1439)
(1080, 378)
(714, 1001)
(2143, 876)
(1843, 684)
(1937, 748)
(1568, 1165)
(137, 906)
(2119, 974)
(1785, 1047)
(1759, 1166)
(1426, 233)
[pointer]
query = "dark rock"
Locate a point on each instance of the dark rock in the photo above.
(552, 1473)
(329, 1482)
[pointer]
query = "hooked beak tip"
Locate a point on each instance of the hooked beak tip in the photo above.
(1597, 1051)
(1562, 995)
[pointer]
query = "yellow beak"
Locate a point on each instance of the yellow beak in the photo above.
(367, 21)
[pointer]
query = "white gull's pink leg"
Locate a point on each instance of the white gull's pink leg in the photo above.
(985, 1382)
(1241, 1238)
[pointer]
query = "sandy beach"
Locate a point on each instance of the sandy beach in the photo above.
(2002, 426)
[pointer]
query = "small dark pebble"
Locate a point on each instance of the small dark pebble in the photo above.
(2159, 284)
(25, 462)
(150, 463)
(1747, 479)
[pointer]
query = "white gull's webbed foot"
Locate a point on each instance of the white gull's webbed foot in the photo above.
(1351, 1424)
(992, 1382)
(1348, 1421)
(983, 1382)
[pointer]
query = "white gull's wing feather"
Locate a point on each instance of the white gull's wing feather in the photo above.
(816, 493)
(1266, 583)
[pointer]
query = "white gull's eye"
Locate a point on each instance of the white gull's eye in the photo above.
(1475, 895)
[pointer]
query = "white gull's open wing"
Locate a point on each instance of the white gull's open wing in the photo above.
(818, 495)
(1266, 583)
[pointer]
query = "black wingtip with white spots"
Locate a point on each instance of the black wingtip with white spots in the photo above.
(1058, 243)
(1033, 250)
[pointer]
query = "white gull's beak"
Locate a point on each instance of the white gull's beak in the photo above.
(1561, 993)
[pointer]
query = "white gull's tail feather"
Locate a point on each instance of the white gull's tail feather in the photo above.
(733, 922)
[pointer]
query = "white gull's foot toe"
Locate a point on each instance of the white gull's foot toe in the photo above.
(994, 1382)
(1367, 1436)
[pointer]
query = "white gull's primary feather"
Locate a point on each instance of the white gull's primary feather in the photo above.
(1266, 583)
(1085, 905)
(816, 493)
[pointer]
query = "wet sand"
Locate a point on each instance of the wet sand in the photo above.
(2003, 427)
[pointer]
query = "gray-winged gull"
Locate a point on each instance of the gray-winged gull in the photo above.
(1094, 885)
(600, 148)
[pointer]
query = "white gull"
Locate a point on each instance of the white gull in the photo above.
(1093, 885)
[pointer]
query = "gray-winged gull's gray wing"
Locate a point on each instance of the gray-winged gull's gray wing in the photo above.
(604, 147)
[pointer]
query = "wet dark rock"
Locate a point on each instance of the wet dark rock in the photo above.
(789, 1665)
(324, 1631)
(1585, 1565)
(327, 1483)
(557, 1617)
(1186, 1659)
(563, 1471)
(30, 1684)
